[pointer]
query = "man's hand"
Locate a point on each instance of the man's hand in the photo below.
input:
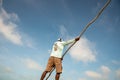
(77, 38)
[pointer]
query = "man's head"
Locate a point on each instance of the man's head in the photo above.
(60, 39)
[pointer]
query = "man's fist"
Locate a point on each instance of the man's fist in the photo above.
(76, 39)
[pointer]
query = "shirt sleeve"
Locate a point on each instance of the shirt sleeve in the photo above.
(68, 42)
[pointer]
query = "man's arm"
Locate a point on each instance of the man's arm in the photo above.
(71, 41)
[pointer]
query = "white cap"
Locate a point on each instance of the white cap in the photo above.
(59, 39)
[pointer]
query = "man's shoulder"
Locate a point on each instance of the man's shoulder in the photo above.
(58, 42)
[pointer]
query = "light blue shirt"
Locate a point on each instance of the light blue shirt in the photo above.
(58, 47)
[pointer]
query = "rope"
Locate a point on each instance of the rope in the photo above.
(84, 29)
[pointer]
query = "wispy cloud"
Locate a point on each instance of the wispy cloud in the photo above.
(16, 68)
(103, 74)
(105, 69)
(93, 74)
(115, 62)
(9, 29)
(118, 74)
(5, 69)
(83, 50)
(105, 21)
(0, 3)
(82, 79)
(31, 64)
(64, 32)
(23, 62)
(96, 8)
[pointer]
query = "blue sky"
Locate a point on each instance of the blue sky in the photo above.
(28, 29)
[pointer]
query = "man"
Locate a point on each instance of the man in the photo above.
(55, 59)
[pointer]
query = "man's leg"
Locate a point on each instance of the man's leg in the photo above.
(58, 65)
(48, 68)
(57, 76)
(43, 75)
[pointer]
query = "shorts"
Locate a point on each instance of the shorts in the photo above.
(54, 62)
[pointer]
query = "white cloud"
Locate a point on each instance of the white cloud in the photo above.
(82, 79)
(116, 62)
(83, 50)
(31, 64)
(8, 17)
(5, 69)
(105, 72)
(9, 32)
(8, 69)
(64, 33)
(28, 41)
(96, 7)
(8, 27)
(1, 2)
(20, 62)
(93, 74)
(63, 30)
(118, 74)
